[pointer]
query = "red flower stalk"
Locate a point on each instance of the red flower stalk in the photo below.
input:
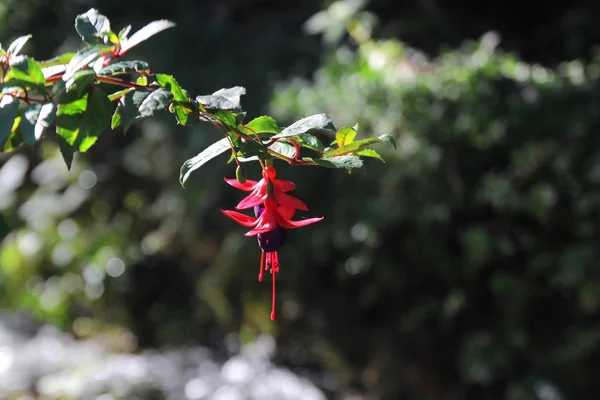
(273, 210)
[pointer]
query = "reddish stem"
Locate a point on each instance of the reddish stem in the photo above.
(297, 148)
(4, 67)
(119, 82)
(54, 78)
(271, 142)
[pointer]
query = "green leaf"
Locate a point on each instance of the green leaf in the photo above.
(157, 100)
(59, 90)
(63, 59)
(80, 81)
(345, 136)
(182, 113)
(369, 153)
(66, 150)
(264, 124)
(16, 46)
(251, 151)
(142, 80)
(388, 138)
(117, 95)
(358, 145)
(313, 122)
(16, 137)
(228, 118)
(26, 69)
(206, 155)
(14, 85)
(224, 99)
(125, 67)
(81, 121)
(111, 37)
(310, 142)
(95, 119)
(128, 109)
(233, 121)
(8, 113)
(90, 25)
(83, 58)
(69, 118)
(169, 83)
(147, 31)
(347, 162)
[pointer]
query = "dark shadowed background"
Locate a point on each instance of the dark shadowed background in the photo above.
(465, 267)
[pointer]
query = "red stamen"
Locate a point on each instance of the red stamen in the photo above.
(262, 266)
(274, 261)
(273, 272)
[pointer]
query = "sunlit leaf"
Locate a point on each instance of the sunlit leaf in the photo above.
(123, 33)
(90, 25)
(62, 59)
(124, 67)
(345, 136)
(264, 124)
(226, 117)
(84, 58)
(8, 112)
(313, 122)
(369, 153)
(16, 46)
(69, 118)
(358, 145)
(45, 119)
(53, 70)
(81, 121)
(117, 95)
(111, 37)
(347, 162)
(224, 99)
(26, 69)
(283, 148)
(95, 119)
(206, 155)
(147, 31)
(16, 137)
(309, 141)
(169, 83)
(155, 101)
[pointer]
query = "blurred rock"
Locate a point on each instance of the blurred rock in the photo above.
(54, 364)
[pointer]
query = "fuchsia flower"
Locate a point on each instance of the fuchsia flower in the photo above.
(273, 210)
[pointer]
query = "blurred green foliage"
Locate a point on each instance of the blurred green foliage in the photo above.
(463, 268)
(482, 279)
